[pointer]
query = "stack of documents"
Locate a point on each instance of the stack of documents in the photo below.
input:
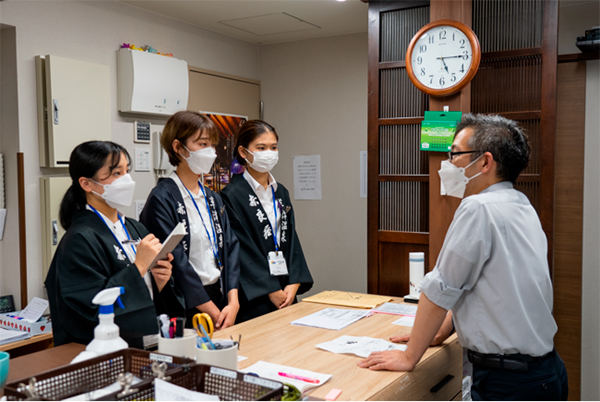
(361, 346)
(348, 299)
(331, 318)
(8, 336)
(301, 379)
(396, 308)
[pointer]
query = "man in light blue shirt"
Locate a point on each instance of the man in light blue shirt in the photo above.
(492, 272)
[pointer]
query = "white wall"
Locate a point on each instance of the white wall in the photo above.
(315, 95)
(93, 31)
(9, 146)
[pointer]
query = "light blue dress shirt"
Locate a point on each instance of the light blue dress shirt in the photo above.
(492, 272)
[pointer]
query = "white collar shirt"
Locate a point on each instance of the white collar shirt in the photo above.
(201, 255)
(265, 196)
(119, 232)
(492, 272)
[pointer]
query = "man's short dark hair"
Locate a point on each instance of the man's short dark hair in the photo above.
(503, 138)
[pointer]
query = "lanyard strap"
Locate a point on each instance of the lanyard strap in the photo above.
(213, 241)
(275, 229)
(113, 233)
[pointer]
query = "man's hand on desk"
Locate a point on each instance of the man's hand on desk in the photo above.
(393, 360)
(439, 338)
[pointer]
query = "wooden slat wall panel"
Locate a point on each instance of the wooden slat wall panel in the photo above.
(403, 206)
(508, 25)
(532, 129)
(507, 85)
(399, 151)
(398, 97)
(397, 29)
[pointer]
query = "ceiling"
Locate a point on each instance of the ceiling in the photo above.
(265, 22)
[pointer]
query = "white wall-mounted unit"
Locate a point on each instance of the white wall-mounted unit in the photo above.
(73, 106)
(151, 84)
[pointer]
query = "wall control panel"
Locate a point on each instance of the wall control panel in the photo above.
(141, 132)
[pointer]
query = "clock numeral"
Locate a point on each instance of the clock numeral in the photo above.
(466, 55)
(431, 79)
(453, 78)
(462, 43)
(442, 34)
(419, 60)
(453, 34)
(423, 71)
(462, 68)
(442, 82)
(423, 48)
(431, 39)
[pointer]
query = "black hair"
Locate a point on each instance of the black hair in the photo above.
(85, 161)
(503, 138)
(248, 132)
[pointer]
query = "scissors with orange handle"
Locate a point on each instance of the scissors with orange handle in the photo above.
(203, 325)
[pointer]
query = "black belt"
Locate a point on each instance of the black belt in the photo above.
(514, 362)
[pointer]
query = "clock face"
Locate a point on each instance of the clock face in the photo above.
(441, 57)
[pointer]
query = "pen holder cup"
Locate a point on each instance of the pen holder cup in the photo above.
(226, 358)
(181, 347)
(4, 363)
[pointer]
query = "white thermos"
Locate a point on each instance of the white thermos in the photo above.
(416, 273)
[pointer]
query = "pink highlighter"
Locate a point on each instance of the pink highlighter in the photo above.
(299, 377)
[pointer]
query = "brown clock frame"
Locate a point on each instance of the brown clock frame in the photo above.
(472, 70)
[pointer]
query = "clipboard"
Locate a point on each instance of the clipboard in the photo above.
(170, 243)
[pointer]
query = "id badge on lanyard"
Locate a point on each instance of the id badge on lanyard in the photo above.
(277, 265)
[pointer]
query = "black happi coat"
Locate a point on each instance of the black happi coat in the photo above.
(251, 226)
(164, 209)
(89, 259)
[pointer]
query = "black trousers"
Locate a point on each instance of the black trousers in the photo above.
(545, 379)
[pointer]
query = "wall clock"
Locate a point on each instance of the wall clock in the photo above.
(443, 57)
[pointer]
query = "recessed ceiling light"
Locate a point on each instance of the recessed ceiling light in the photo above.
(341, 0)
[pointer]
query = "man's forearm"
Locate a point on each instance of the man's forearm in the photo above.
(427, 323)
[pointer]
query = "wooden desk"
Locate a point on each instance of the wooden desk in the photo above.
(271, 338)
(35, 363)
(33, 344)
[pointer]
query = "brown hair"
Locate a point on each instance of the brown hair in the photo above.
(183, 125)
(248, 132)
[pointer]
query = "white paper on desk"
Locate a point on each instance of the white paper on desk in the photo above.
(331, 318)
(271, 370)
(395, 308)
(359, 345)
(8, 336)
(165, 391)
(34, 310)
(406, 321)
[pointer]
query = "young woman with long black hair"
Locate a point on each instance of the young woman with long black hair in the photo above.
(103, 249)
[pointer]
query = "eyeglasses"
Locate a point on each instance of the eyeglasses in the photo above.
(451, 154)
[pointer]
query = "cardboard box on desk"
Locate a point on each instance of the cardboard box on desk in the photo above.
(9, 321)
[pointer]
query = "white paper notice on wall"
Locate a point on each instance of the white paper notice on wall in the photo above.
(307, 177)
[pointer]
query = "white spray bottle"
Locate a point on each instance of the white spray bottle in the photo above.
(106, 334)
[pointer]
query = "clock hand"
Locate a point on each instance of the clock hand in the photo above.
(444, 63)
(452, 57)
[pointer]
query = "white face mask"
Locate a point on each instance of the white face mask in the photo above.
(201, 161)
(454, 181)
(119, 193)
(264, 161)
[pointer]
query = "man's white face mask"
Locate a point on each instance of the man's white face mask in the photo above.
(454, 181)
